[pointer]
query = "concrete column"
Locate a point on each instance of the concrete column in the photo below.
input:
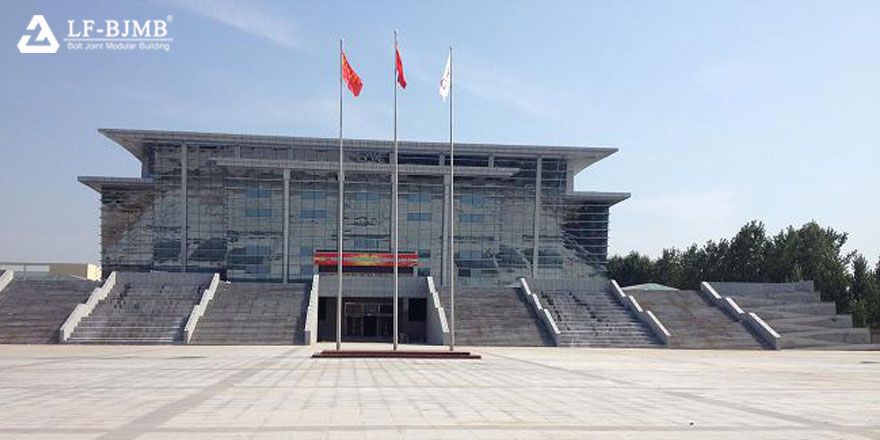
(446, 262)
(183, 205)
(536, 222)
(286, 245)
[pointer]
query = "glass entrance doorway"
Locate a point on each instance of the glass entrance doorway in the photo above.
(367, 320)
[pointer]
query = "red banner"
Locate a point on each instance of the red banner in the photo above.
(362, 259)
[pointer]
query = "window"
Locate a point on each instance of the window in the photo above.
(257, 269)
(313, 195)
(424, 272)
(418, 309)
(256, 249)
(418, 197)
(255, 192)
(366, 196)
(322, 309)
(472, 218)
(366, 243)
(313, 213)
(473, 199)
(258, 212)
(418, 216)
(305, 251)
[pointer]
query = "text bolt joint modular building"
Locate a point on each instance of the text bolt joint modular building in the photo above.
(263, 208)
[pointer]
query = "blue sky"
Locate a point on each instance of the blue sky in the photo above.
(723, 111)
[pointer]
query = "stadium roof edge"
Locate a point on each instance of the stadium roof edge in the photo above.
(135, 140)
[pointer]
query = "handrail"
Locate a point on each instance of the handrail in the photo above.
(645, 316)
(6, 278)
(441, 326)
(751, 319)
(82, 311)
(199, 309)
(311, 326)
(542, 312)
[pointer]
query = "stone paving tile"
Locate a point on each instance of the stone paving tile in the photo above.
(175, 392)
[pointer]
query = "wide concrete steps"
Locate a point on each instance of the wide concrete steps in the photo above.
(33, 309)
(594, 319)
(693, 322)
(150, 309)
(494, 316)
(256, 314)
(797, 313)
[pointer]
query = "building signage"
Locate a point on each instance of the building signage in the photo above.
(364, 259)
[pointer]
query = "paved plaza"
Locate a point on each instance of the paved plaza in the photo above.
(170, 392)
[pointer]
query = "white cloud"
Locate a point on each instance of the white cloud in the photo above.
(250, 17)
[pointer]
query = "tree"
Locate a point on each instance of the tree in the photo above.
(862, 289)
(810, 252)
(631, 269)
(745, 259)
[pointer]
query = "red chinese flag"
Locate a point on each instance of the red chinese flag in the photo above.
(351, 77)
(399, 66)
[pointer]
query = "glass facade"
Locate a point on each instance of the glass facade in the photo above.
(227, 205)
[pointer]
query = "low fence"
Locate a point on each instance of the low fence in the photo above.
(6, 278)
(645, 316)
(543, 314)
(311, 326)
(82, 311)
(199, 309)
(437, 328)
(752, 320)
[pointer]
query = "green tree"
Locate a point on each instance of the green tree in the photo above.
(746, 257)
(812, 253)
(631, 269)
(862, 288)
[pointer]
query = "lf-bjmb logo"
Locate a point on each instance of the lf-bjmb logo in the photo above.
(44, 42)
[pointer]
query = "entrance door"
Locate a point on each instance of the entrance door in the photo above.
(369, 320)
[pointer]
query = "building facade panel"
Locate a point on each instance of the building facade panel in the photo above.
(519, 217)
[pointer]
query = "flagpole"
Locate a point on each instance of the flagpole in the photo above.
(394, 195)
(341, 179)
(451, 215)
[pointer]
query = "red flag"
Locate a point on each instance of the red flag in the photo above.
(399, 66)
(351, 77)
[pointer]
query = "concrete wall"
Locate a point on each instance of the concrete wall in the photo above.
(592, 284)
(80, 270)
(163, 278)
(731, 288)
(366, 287)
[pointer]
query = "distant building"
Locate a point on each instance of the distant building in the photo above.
(263, 208)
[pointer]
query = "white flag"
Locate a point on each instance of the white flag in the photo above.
(446, 79)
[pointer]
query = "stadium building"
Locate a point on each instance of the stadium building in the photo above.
(232, 239)
(264, 208)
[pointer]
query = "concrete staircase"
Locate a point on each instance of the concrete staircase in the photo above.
(797, 313)
(33, 307)
(494, 316)
(592, 317)
(254, 313)
(693, 322)
(143, 308)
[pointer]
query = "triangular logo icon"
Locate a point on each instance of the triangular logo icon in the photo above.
(44, 42)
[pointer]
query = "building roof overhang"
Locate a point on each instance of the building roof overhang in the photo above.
(136, 141)
(98, 183)
(611, 198)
